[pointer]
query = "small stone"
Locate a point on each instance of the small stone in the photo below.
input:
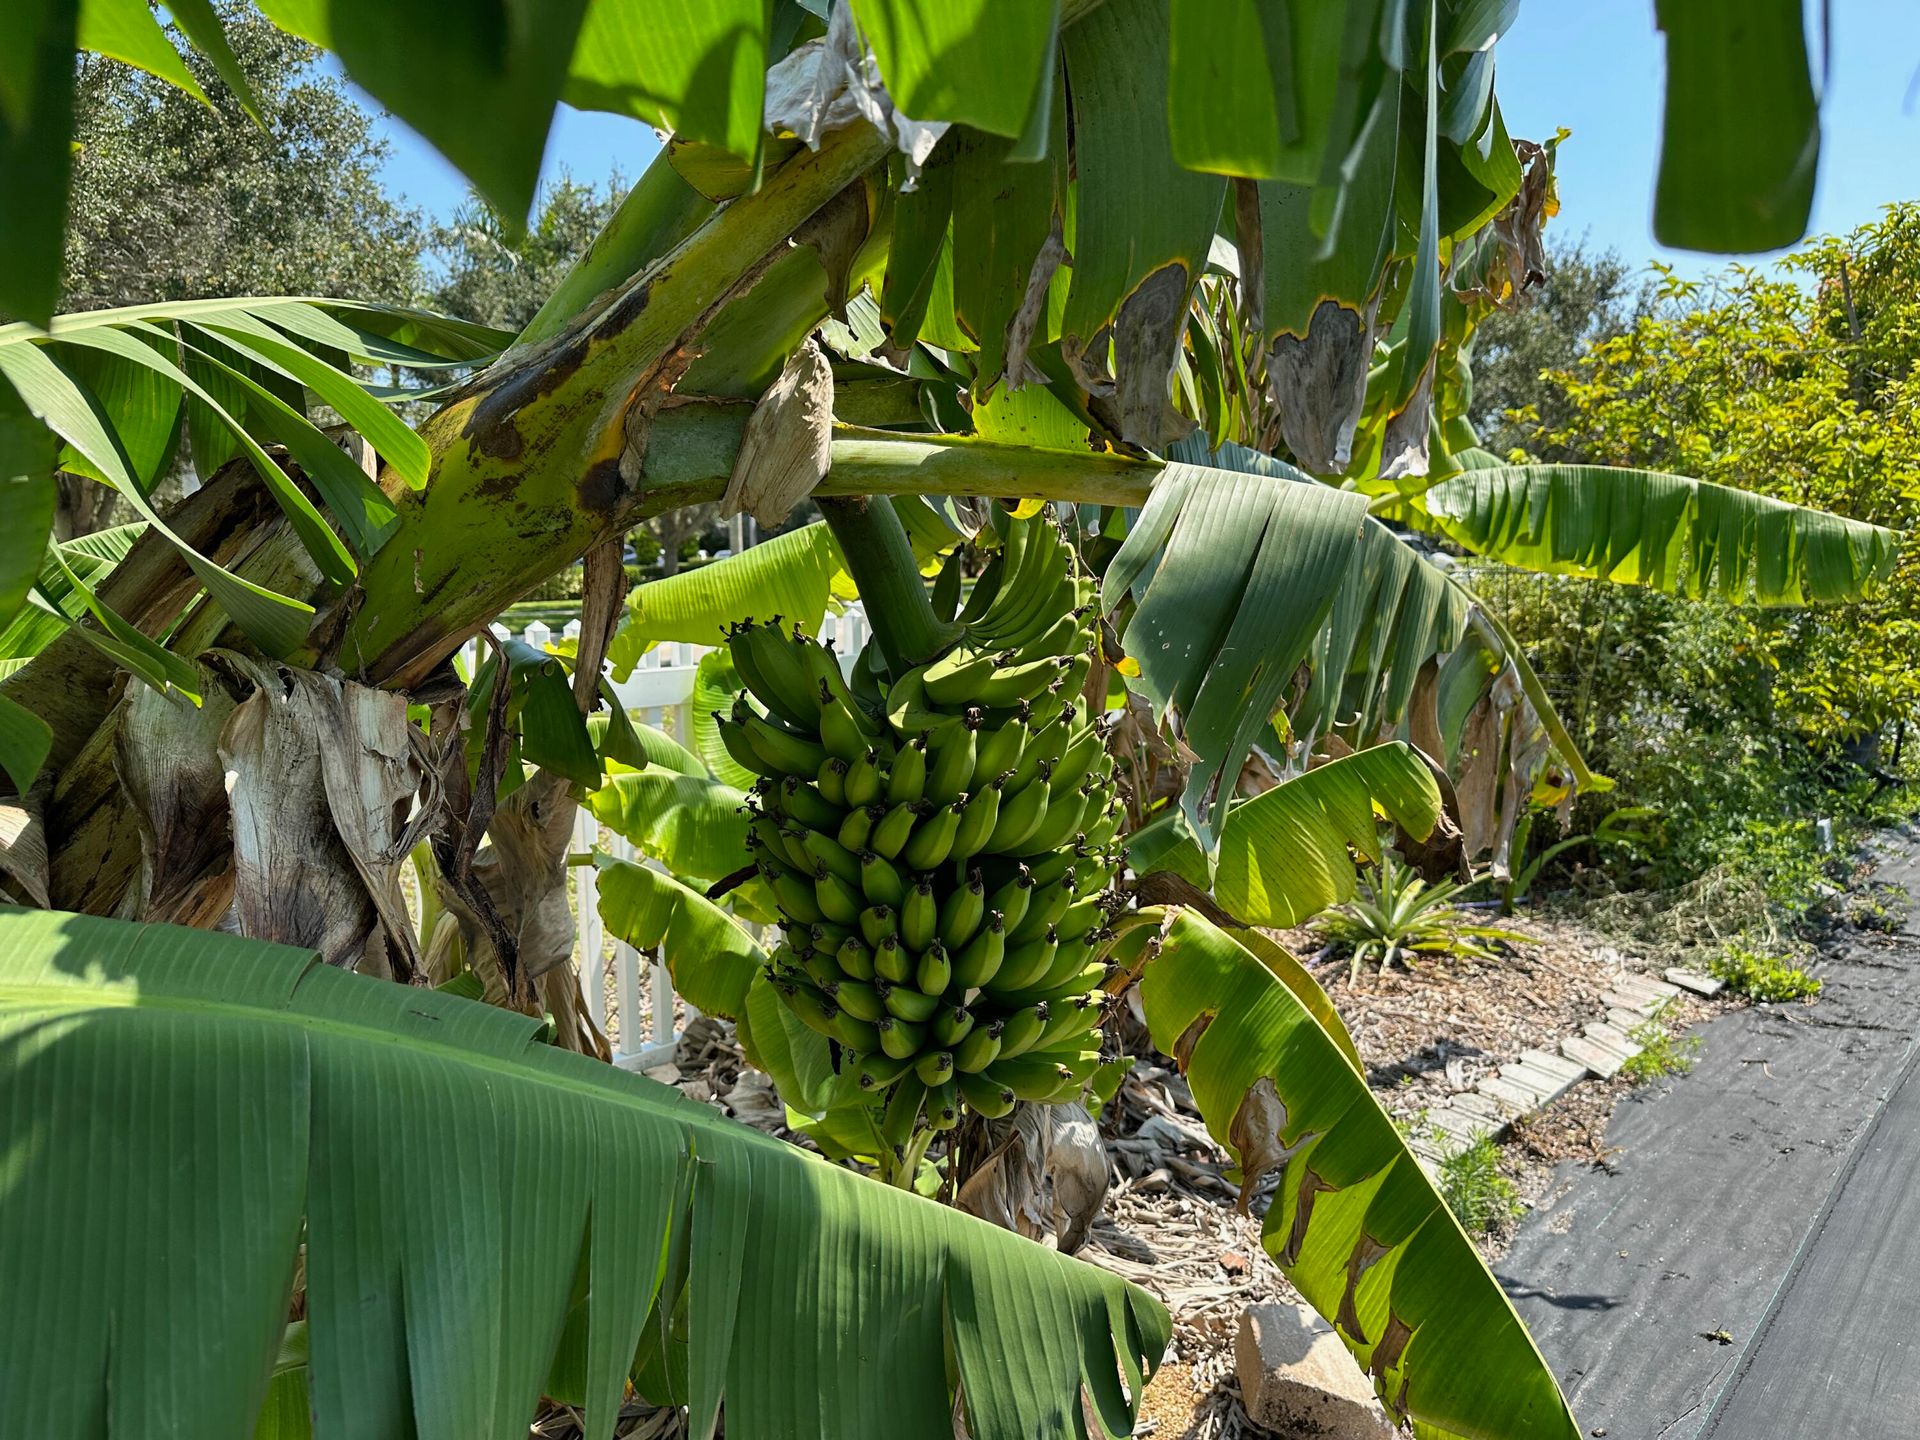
(1297, 1378)
(1233, 1262)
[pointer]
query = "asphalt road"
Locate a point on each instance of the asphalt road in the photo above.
(1749, 1269)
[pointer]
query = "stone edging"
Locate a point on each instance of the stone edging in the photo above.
(1539, 1077)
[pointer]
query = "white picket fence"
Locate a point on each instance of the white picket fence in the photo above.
(644, 1017)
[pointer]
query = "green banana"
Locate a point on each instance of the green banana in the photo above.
(980, 1049)
(997, 752)
(1024, 1029)
(901, 1039)
(780, 660)
(1048, 906)
(832, 781)
(892, 962)
(804, 805)
(878, 923)
(860, 1000)
(903, 1110)
(1020, 815)
(984, 1097)
(891, 833)
(1057, 828)
(1070, 1021)
(985, 588)
(866, 779)
(981, 957)
(1079, 920)
(962, 911)
(903, 1002)
(877, 1071)
(823, 970)
(857, 828)
(734, 738)
(840, 732)
(837, 900)
(934, 1067)
(943, 1105)
(946, 585)
(1049, 743)
(823, 851)
(880, 881)
(1030, 1077)
(908, 779)
(793, 895)
(950, 762)
(978, 822)
(1013, 898)
(855, 958)
(857, 1035)
(909, 713)
(919, 915)
(950, 1027)
(935, 971)
(782, 751)
(932, 838)
(1025, 965)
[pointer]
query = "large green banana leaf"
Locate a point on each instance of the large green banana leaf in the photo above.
(182, 1111)
(1667, 532)
(1288, 854)
(1355, 1223)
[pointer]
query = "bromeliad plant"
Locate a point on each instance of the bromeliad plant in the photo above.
(1400, 915)
(996, 220)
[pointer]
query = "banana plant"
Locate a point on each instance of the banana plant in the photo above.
(947, 160)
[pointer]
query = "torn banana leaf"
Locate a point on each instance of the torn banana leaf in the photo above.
(1355, 1223)
(1667, 532)
(244, 1100)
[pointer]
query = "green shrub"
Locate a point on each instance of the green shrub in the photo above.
(1480, 1195)
(1763, 977)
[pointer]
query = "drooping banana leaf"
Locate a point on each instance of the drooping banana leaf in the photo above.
(114, 385)
(1355, 1224)
(181, 1111)
(693, 825)
(1284, 855)
(710, 956)
(1667, 532)
(1288, 854)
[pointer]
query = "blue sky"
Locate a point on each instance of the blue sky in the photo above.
(1591, 65)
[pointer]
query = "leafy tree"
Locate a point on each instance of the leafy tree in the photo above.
(1797, 385)
(1586, 297)
(500, 274)
(175, 198)
(846, 278)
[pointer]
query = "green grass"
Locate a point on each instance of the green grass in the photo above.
(1769, 979)
(1480, 1195)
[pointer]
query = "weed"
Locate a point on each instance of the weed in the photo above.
(1660, 1053)
(1481, 1197)
(1759, 976)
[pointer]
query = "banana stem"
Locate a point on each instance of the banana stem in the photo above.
(880, 558)
(901, 1170)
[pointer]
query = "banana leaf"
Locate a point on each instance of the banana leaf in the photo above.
(183, 1111)
(1667, 532)
(1355, 1223)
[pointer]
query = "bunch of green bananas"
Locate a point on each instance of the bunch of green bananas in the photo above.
(941, 851)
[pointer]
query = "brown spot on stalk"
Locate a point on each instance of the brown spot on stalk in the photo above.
(601, 488)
